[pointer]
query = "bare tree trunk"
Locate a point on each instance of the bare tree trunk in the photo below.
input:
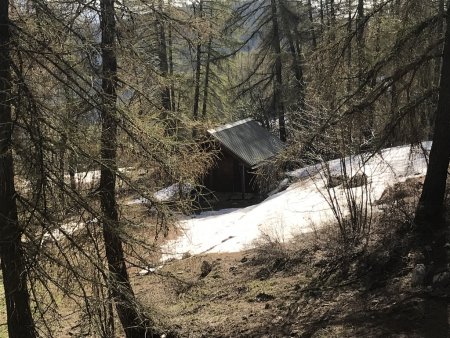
(294, 46)
(20, 320)
(170, 42)
(62, 162)
(164, 69)
(322, 22)
(295, 51)
(349, 47)
(311, 21)
(332, 21)
(72, 169)
(360, 37)
(277, 95)
(431, 204)
(440, 32)
(207, 74)
(197, 72)
(133, 322)
(368, 119)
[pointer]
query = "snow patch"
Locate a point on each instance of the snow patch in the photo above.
(298, 208)
(167, 194)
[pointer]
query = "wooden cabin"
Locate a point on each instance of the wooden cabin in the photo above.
(243, 147)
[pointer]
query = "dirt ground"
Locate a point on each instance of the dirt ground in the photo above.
(297, 295)
(3, 328)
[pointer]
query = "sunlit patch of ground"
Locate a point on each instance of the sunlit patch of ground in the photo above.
(3, 328)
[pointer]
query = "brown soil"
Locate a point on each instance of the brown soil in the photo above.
(308, 294)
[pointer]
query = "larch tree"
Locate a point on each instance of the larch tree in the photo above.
(134, 323)
(431, 203)
(276, 74)
(278, 100)
(14, 273)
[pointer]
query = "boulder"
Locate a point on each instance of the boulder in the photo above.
(205, 269)
(418, 275)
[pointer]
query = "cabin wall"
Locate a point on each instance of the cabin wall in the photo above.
(226, 175)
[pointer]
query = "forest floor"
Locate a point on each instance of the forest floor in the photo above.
(297, 289)
(276, 291)
(3, 327)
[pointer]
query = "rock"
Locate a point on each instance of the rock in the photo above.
(242, 289)
(284, 184)
(335, 180)
(186, 255)
(264, 297)
(244, 259)
(277, 320)
(416, 257)
(441, 279)
(358, 180)
(418, 275)
(279, 264)
(263, 274)
(205, 269)
(402, 190)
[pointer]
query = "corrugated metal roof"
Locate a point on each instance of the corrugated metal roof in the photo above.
(247, 140)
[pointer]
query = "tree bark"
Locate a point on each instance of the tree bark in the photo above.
(311, 22)
(133, 322)
(20, 320)
(72, 169)
(197, 72)
(170, 54)
(322, 22)
(349, 47)
(440, 32)
(295, 51)
(278, 84)
(360, 38)
(332, 21)
(207, 74)
(431, 203)
(164, 70)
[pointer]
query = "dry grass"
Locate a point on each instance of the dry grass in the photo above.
(230, 301)
(3, 327)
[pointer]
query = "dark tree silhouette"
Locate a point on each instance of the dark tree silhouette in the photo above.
(20, 320)
(431, 203)
(135, 324)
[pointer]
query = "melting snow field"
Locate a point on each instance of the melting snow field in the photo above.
(297, 209)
